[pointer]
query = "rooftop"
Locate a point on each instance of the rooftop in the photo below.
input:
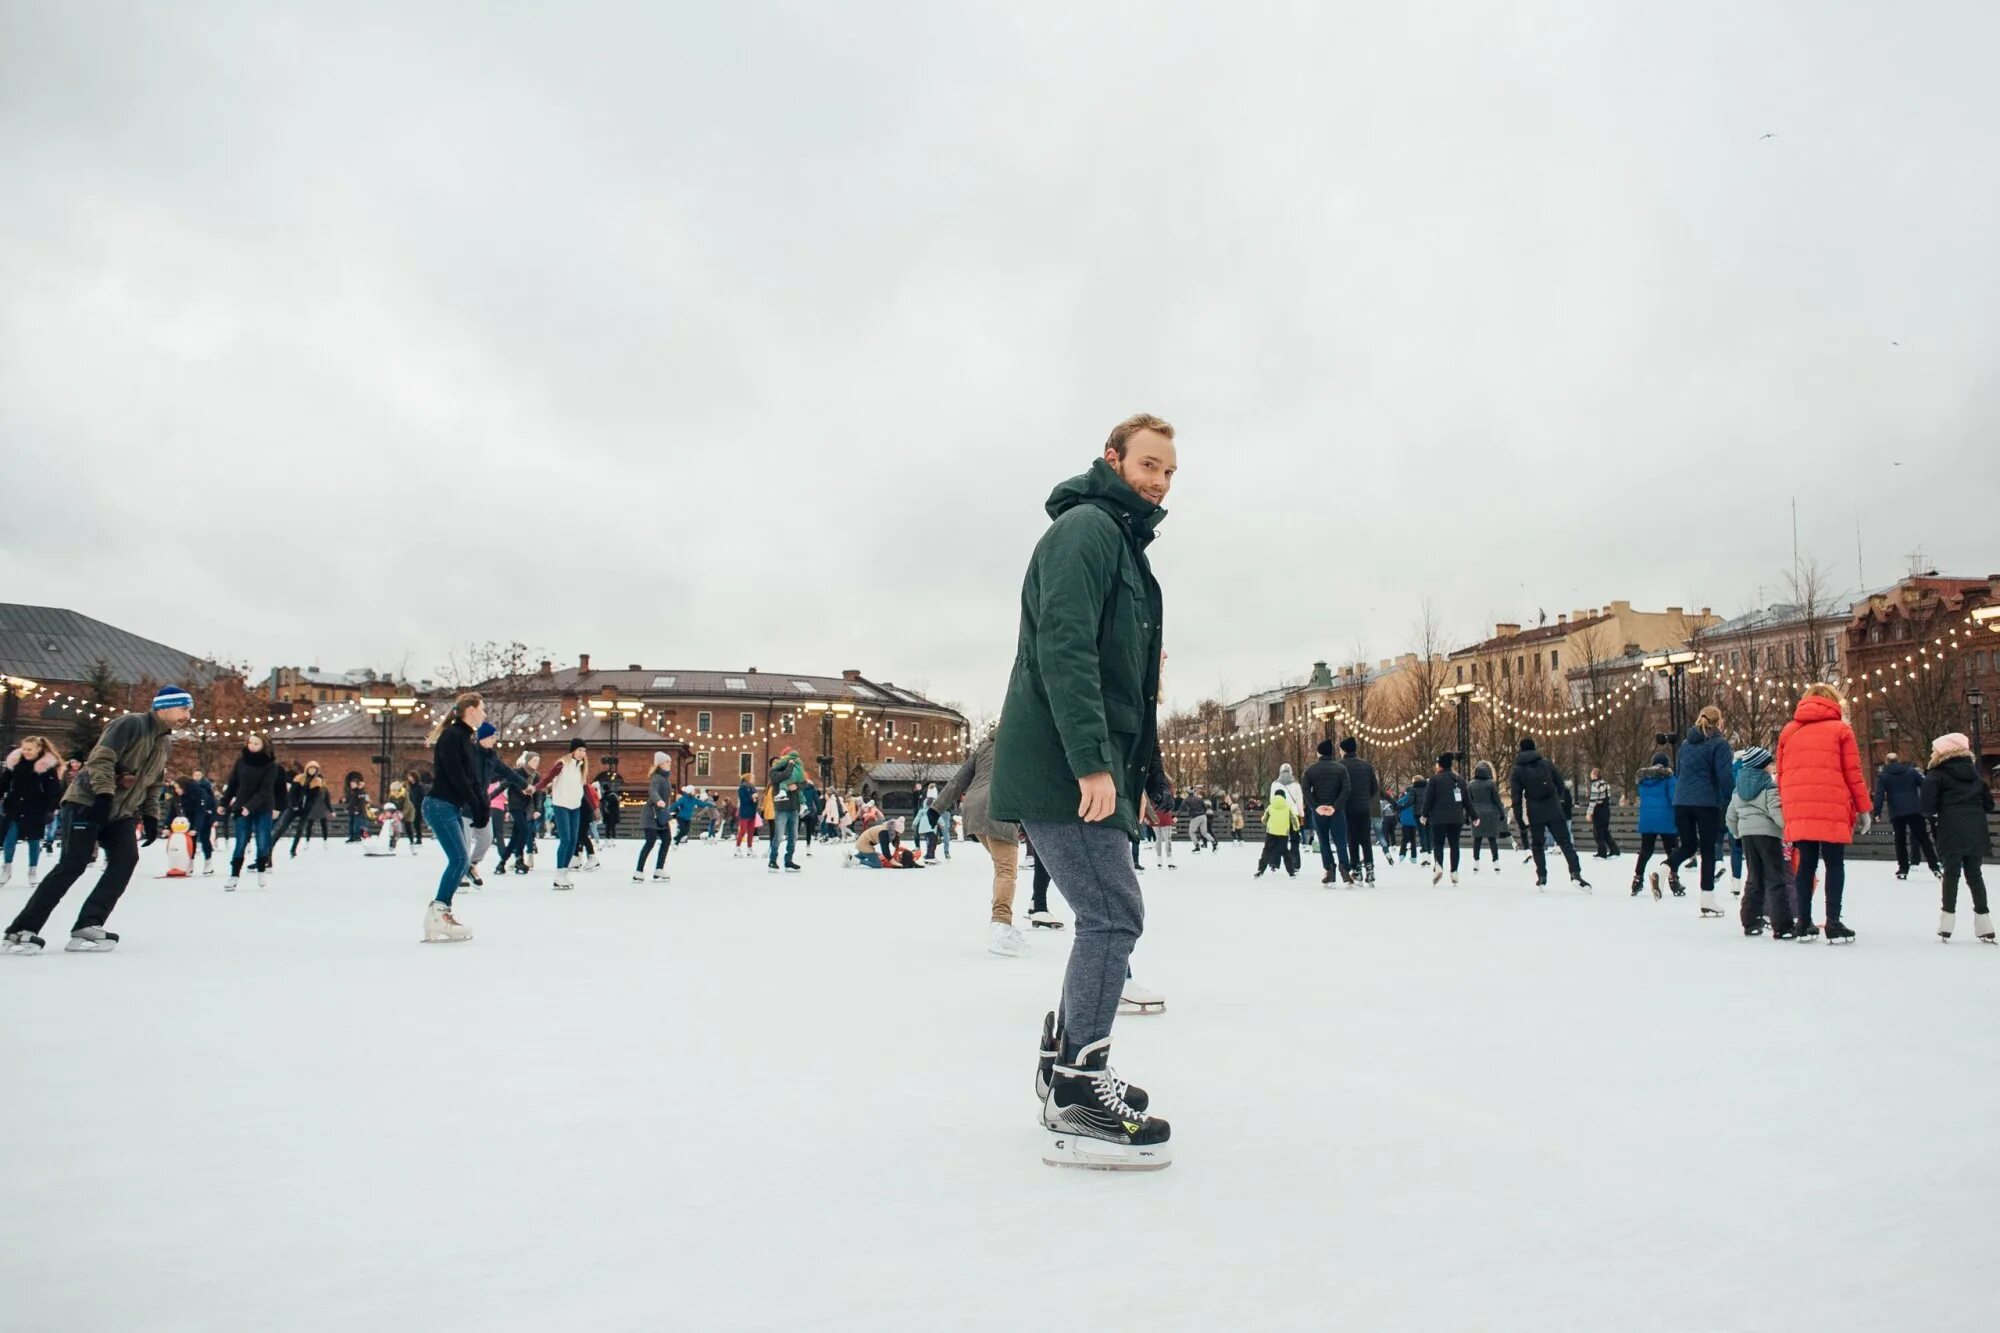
(790, 688)
(52, 643)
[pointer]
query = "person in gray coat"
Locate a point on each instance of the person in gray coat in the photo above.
(658, 822)
(1489, 813)
(971, 789)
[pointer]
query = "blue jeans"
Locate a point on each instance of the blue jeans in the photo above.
(260, 825)
(568, 822)
(788, 820)
(13, 836)
(449, 830)
(1332, 829)
(870, 859)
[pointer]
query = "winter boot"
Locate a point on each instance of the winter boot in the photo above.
(91, 939)
(1947, 922)
(1091, 1124)
(441, 927)
(1708, 907)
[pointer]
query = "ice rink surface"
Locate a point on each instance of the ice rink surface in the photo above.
(749, 1101)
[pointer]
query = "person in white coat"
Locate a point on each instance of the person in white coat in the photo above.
(564, 784)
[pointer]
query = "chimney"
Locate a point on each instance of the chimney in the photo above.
(1706, 613)
(583, 664)
(1617, 608)
(850, 675)
(1673, 611)
(1505, 631)
(1561, 619)
(751, 672)
(1580, 615)
(633, 666)
(548, 669)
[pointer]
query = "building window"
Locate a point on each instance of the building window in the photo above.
(744, 763)
(746, 723)
(704, 723)
(1461, 673)
(788, 724)
(1832, 649)
(889, 726)
(1506, 672)
(1520, 665)
(701, 764)
(1791, 654)
(735, 683)
(1552, 659)
(1735, 659)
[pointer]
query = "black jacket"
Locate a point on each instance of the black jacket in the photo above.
(520, 791)
(1956, 797)
(198, 803)
(1362, 785)
(1445, 801)
(1326, 783)
(357, 800)
(1899, 790)
(253, 783)
(1538, 785)
(29, 797)
(459, 776)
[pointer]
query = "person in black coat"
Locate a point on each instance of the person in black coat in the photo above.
(1542, 803)
(1326, 784)
(31, 788)
(1443, 813)
(252, 795)
(197, 807)
(1363, 790)
(1899, 794)
(1957, 795)
(456, 804)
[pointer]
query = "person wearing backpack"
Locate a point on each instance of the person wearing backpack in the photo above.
(1541, 806)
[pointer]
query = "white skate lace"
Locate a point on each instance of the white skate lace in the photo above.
(1111, 1091)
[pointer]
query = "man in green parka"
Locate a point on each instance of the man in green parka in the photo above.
(1077, 747)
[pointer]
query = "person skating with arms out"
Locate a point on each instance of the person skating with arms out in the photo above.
(1078, 739)
(110, 794)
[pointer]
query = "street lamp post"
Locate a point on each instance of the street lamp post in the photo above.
(1461, 695)
(1976, 698)
(385, 709)
(1674, 666)
(826, 713)
(615, 712)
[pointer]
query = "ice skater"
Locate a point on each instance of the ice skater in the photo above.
(110, 796)
(971, 790)
(1957, 796)
(457, 795)
(1757, 821)
(658, 825)
(1078, 740)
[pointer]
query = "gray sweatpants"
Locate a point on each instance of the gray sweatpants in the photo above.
(1092, 867)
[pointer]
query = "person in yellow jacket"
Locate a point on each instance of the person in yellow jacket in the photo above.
(1279, 821)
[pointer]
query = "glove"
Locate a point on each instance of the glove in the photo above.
(479, 817)
(1867, 822)
(100, 810)
(152, 823)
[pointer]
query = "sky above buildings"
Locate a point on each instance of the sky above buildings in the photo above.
(731, 336)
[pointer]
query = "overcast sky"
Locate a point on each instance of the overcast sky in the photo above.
(755, 335)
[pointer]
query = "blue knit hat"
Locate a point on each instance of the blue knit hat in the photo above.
(1754, 757)
(172, 696)
(487, 729)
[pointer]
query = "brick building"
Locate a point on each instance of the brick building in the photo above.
(715, 724)
(58, 668)
(1922, 689)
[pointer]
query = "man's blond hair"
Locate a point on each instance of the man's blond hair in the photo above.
(1122, 433)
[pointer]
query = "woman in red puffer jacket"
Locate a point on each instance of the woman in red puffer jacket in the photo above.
(1822, 792)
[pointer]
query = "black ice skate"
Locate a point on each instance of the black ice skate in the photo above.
(1806, 931)
(1838, 934)
(1092, 1124)
(1045, 1068)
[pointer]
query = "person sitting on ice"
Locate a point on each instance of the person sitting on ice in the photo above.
(881, 848)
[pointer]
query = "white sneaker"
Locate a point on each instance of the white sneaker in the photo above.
(1003, 941)
(440, 926)
(91, 939)
(1136, 999)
